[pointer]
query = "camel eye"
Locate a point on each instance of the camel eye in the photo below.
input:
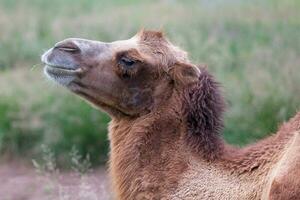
(126, 62)
(127, 66)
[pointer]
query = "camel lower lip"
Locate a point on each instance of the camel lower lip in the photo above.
(58, 70)
(60, 75)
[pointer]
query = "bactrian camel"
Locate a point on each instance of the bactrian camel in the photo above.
(166, 112)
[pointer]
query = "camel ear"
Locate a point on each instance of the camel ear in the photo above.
(184, 74)
(203, 110)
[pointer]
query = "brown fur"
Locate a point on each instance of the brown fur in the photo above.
(165, 133)
(203, 109)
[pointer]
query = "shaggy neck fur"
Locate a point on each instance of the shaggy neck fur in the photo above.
(203, 109)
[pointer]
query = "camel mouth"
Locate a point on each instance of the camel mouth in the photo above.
(61, 70)
(60, 64)
(60, 74)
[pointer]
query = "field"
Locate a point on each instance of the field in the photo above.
(252, 47)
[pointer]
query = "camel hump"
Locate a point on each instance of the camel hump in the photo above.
(291, 126)
(284, 182)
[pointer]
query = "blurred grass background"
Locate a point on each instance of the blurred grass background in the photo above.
(252, 47)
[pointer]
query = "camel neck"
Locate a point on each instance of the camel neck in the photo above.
(143, 152)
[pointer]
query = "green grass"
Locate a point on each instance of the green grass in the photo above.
(252, 47)
(36, 112)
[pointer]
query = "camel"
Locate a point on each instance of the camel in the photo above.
(166, 123)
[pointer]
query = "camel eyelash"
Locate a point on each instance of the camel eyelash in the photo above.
(129, 73)
(127, 62)
(127, 67)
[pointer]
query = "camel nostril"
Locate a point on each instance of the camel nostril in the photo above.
(67, 47)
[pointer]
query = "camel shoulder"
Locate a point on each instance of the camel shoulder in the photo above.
(284, 182)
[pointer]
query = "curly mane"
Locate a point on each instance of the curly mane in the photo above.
(203, 109)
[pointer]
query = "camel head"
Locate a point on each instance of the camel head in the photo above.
(126, 77)
(134, 77)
